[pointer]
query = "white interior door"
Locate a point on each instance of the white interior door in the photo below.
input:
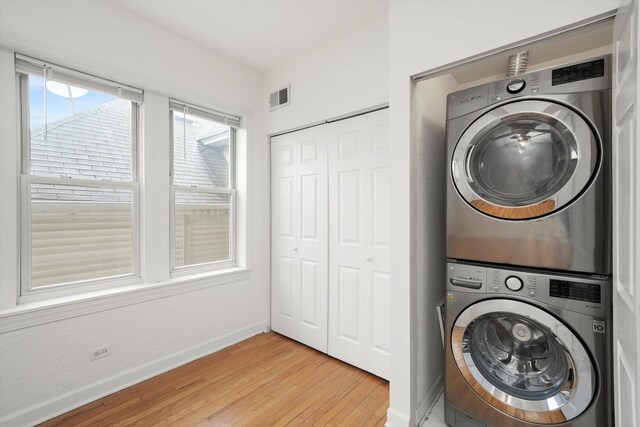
(626, 256)
(299, 236)
(359, 225)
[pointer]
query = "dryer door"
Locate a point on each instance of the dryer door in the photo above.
(525, 159)
(523, 361)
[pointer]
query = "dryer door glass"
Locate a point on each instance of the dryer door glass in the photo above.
(525, 159)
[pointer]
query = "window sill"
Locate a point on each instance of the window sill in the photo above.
(38, 313)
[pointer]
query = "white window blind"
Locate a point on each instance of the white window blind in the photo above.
(205, 113)
(27, 65)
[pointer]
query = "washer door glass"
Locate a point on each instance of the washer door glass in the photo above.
(523, 361)
(525, 159)
(518, 355)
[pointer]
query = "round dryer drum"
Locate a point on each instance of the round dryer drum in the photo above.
(523, 361)
(525, 159)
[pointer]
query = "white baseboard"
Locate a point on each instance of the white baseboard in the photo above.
(59, 405)
(397, 419)
(425, 406)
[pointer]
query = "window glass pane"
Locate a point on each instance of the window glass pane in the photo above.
(80, 233)
(201, 228)
(87, 133)
(200, 151)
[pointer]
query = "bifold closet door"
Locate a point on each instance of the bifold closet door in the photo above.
(359, 286)
(299, 236)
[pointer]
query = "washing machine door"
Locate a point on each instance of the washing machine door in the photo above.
(523, 361)
(525, 159)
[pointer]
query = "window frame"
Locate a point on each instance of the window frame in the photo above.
(27, 293)
(232, 261)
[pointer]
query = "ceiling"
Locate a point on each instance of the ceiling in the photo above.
(262, 34)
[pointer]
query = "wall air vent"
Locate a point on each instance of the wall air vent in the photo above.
(279, 98)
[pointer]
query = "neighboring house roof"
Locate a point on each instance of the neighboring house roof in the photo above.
(95, 144)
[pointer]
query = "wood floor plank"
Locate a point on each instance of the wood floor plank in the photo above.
(220, 385)
(267, 380)
(240, 388)
(280, 386)
(340, 411)
(309, 393)
(330, 396)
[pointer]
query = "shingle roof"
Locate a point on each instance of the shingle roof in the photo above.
(95, 144)
(203, 163)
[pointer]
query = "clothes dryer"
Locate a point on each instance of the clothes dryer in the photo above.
(529, 170)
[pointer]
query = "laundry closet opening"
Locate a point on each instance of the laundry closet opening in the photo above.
(429, 163)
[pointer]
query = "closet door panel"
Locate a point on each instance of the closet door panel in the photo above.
(348, 206)
(381, 315)
(299, 237)
(359, 241)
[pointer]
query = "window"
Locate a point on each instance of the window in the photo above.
(203, 194)
(79, 178)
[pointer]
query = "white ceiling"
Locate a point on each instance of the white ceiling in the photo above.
(263, 34)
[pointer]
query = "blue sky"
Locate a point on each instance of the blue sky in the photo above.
(58, 106)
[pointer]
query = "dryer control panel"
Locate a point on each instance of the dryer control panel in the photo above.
(577, 77)
(584, 294)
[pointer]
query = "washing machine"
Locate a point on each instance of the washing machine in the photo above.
(524, 348)
(529, 170)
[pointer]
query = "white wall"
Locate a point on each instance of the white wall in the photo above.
(44, 369)
(423, 36)
(429, 115)
(347, 75)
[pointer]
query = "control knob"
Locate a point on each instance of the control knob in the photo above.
(513, 283)
(516, 85)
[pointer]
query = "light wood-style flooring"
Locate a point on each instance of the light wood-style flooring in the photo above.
(263, 381)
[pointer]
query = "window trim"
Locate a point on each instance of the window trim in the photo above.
(28, 294)
(177, 271)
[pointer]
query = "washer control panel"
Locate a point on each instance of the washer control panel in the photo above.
(573, 292)
(467, 277)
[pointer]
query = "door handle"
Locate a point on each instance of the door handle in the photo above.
(467, 163)
(368, 259)
(295, 249)
(466, 283)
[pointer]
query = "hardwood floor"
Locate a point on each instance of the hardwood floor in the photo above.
(263, 381)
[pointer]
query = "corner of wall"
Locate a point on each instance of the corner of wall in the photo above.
(398, 419)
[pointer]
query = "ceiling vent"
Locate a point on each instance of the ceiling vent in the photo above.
(279, 98)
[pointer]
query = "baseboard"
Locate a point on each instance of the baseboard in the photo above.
(425, 406)
(72, 400)
(397, 419)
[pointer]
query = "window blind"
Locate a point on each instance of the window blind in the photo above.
(27, 65)
(205, 113)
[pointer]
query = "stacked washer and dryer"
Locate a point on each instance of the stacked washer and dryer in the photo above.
(528, 305)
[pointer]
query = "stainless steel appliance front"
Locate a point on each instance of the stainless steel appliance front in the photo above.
(528, 172)
(524, 348)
